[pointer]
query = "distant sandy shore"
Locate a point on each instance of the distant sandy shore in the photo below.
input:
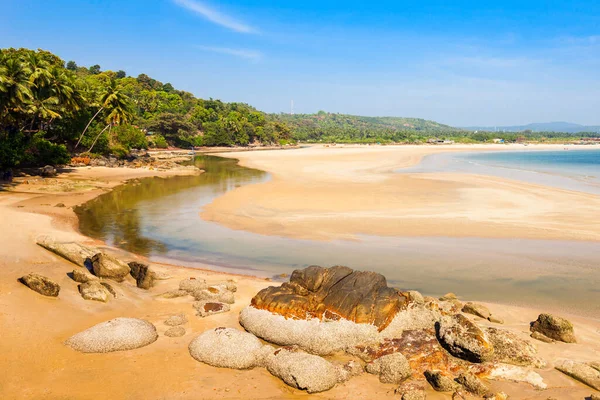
(36, 364)
(326, 193)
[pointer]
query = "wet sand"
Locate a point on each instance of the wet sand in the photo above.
(36, 364)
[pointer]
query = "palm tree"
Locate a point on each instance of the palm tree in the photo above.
(117, 103)
(15, 88)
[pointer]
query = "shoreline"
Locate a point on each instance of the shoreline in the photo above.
(54, 320)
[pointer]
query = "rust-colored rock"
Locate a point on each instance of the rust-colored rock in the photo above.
(334, 293)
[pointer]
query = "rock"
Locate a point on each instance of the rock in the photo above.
(333, 294)
(175, 320)
(580, 371)
(595, 365)
(448, 296)
(472, 384)
(106, 266)
(477, 309)
(556, 328)
(191, 285)
(302, 370)
(110, 289)
(594, 397)
(495, 319)
(440, 382)
(173, 294)
(312, 335)
(41, 284)
(175, 331)
(510, 349)
(94, 290)
(227, 348)
(391, 368)
(496, 396)
(463, 339)
(411, 391)
(416, 297)
(214, 294)
(73, 252)
(142, 274)
(517, 374)
(115, 335)
(348, 370)
(48, 171)
(60, 205)
(206, 308)
(82, 275)
(541, 338)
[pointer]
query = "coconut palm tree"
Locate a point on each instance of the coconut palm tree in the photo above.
(15, 88)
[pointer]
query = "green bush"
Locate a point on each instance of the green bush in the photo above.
(159, 142)
(12, 147)
(130, 137)
(41, 151)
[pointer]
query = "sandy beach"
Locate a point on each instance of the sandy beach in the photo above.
(342, 188)
(340, 192)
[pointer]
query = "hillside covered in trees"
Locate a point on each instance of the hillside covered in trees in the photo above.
(50, 110)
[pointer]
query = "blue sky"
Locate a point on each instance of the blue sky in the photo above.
(457, 62)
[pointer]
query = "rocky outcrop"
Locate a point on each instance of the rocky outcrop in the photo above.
(228, 348)
(463, 339)
(206, 308)
(142, 274)
(73, 252)
(334, 293)
(41, 284)
(510, 349)
(82, 275)
(553, 327)
(106, 266)
(114, 335)
(440, 382)
(94, 290)
(580, 371)
(302, 370)
(391, 368)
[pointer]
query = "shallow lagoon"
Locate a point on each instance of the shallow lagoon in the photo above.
(159, 218)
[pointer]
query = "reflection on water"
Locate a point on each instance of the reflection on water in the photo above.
(160, 218)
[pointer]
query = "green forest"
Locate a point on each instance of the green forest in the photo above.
(51, 110)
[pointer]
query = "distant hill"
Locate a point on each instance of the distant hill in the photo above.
(567, 127)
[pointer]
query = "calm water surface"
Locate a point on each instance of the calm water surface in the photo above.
(159, 218)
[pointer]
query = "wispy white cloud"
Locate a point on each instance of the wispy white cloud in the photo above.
(241, 53)
(215, 16)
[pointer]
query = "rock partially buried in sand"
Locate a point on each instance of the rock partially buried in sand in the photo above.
(82, 275)
(115, 335)
(510, 349)
(106, 266)
(553, 327)
(517, 374)
(41, 284)
(142, 274)
(175, 320)
(227, 348)
(302, 370)
(472, 384)
(175, 331)
(74, 252)
(94, 290)
(476, 309)
(391, 368)
(580, 371)
(206, 308)
(463, 339)
(334, 293)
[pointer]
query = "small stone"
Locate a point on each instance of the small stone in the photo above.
(175, 331)
(192, 284)
(448, 296)
(440, 382)
(472, 383)
(495, 319)
(416, 297)
(496, 396)
(173, 294)
(48, 171)
(391, 368)
(41, 284)
(175, 320)
(82, 275)
(541, 337)
(476, 309)
(206, 308)
(60, 205)
(94, 290)
(556, 328)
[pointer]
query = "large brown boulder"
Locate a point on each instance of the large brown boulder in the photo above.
(109, 267)
(463, 339)
(142, 274)
(334, 293)
(553, 327)
(41, 284)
